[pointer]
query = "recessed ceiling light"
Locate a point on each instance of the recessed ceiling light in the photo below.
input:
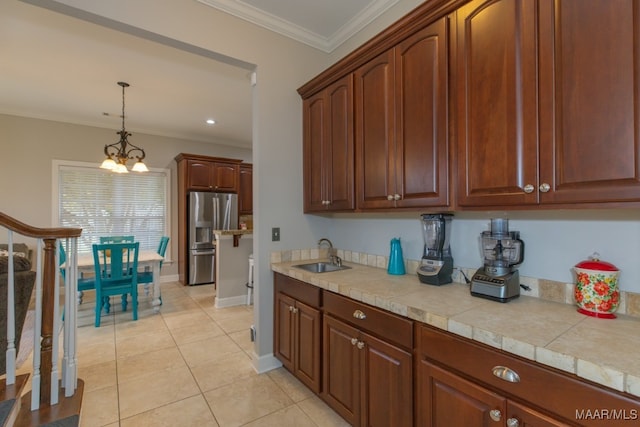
(211, 122)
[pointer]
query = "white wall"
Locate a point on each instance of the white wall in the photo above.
(555, 241)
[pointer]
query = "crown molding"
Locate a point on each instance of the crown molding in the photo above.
(288, 29)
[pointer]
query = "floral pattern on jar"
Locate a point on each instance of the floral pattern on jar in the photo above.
(596, 292)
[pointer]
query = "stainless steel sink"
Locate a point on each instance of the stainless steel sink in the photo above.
(321, 267)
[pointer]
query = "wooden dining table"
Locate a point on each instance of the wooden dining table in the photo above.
(149, 258)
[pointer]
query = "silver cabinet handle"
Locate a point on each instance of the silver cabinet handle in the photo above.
(359, 315)
(506, 374)
(513, 422)
(528, 188)
(544, 187)
(390, 197)
(354, 341)
(295, 310)
(291, 308)
(396, 197)
(360, 345)
(495, 414)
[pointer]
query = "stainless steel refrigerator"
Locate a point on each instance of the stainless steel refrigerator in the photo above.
(207, 212)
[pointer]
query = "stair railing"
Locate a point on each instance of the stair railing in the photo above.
(46, 380)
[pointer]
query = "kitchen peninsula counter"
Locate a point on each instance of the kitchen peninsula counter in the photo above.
(603, 351)
(233, 248)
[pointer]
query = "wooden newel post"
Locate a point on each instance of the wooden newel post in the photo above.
(48, 300)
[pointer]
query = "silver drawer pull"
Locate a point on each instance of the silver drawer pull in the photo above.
(506, 374)
(354, 341)
(359, 315)
(495, 414)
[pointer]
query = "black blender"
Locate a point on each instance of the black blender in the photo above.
(502, 251)
(437, 263)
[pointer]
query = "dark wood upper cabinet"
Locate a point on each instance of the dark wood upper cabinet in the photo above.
(482, 104)
(402, 123)
(210, 174)
(548, 109)
(375, 132)
(589, 101)
(496, 111)
(328, 148)
(422, 119)
(245, 191)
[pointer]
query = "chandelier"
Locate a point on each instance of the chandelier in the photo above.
(122, 151)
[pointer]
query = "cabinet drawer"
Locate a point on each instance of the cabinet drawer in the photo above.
(383, 324)
(550, 390)
(308, 294)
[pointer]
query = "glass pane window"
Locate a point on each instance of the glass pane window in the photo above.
(104, 203)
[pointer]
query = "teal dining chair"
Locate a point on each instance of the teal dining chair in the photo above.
(116, 268)
(117, 239)
(146, 276)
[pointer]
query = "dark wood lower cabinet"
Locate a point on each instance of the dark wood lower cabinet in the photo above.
(460, 382)
(387, 384)
(368, 381)
(379, 369)
(449, 400)
(297, 329)
(341, 369)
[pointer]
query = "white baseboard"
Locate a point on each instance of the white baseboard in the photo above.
(231, 301)
(265, 363)
(170, 278)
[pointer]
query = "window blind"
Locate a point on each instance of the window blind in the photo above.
(104, 203)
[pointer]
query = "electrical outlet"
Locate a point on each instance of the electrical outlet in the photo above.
(275, 234)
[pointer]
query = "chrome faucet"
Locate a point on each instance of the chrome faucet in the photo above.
(333, 257)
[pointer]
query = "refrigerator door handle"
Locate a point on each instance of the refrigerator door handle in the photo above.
(227, 214)
(216, 212)
(202, 253)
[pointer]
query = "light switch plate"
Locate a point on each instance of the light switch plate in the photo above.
(275, 234)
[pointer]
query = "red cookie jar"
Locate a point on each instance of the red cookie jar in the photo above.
(596, 290)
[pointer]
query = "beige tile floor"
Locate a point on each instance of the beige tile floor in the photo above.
(189, 365)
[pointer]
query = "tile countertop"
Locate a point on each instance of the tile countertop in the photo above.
(604, 351)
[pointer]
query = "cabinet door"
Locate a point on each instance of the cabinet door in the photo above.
(421, 96)
(387, 384)
(523, 416)
(338, 159)
(590, 100)
(307, 345)
(200, 175)
(313, 153)
(444, 400)
(341, 361)
(328, 148)
(375, 146)
(245, 192)
(225, 177)
(497, 103)
(284, 327)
